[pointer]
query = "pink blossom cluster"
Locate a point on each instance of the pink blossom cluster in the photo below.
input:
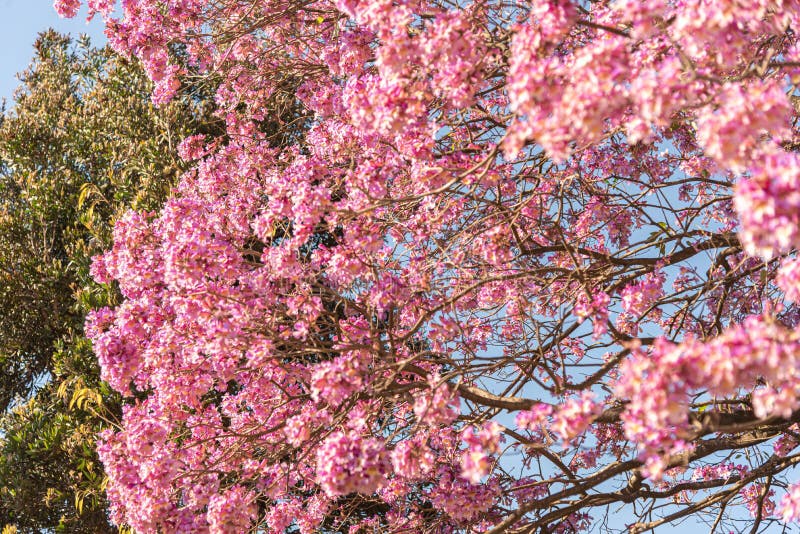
(790, 504)
(437, 405)
(575, 415)
(787, 442)
(476, 461)
(231, 512)
(413, 459)
(659, 382)
(596, 308)
(348, 463)
(461, 499)
(759, 500)
(334, 381)
(767, 202)
(638, 298)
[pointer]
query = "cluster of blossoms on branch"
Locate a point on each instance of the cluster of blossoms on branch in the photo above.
(461, 266)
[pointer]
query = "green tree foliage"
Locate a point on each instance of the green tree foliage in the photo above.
(82, 144)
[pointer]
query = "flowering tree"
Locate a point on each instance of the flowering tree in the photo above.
(483, 266)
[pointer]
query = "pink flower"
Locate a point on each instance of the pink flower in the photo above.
(231, 512)
(476, 461)
(67, 8)
(790, 504)
(350, 463)
(438, 405)
(412, 459)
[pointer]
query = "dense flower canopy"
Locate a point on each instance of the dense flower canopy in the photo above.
(498, 266)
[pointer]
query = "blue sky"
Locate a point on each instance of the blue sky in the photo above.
(20, 22)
